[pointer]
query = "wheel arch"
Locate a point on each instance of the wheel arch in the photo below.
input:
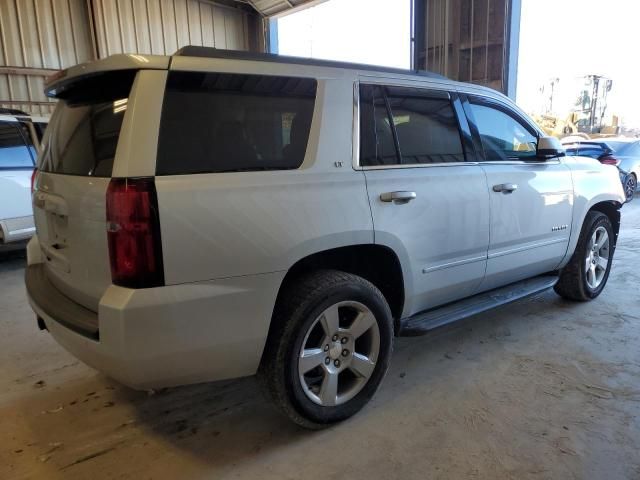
(376, 263)
(612, 210)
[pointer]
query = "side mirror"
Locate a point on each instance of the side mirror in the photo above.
(549, 147)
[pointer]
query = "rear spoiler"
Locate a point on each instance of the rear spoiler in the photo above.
(62, 81)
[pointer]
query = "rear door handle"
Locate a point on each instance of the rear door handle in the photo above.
(505, 187)
(399, 198)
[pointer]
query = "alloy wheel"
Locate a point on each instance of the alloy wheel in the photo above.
(597, 258)
(339, 353)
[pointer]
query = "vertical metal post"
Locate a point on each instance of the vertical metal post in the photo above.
(418, 40)
(513, 45)
(272, 36)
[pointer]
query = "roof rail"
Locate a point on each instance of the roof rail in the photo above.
(211, 52)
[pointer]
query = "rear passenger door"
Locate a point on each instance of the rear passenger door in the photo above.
(531, 199)
(428, 203)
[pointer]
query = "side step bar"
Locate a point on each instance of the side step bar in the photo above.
(423, 322)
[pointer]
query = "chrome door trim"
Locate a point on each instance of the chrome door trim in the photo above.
(527, 247)
(457, 263)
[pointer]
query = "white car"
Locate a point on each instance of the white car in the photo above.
(19, 138)
(219, 214)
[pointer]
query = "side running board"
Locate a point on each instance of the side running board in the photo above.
(423, 322)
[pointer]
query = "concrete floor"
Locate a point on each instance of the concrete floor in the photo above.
(539, 389)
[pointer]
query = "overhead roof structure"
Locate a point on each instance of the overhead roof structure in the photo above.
(271, 8)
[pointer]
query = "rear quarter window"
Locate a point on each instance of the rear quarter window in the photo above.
(220, 122)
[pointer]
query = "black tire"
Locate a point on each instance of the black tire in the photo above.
(630, 185)
(297, 309)
(573, 284)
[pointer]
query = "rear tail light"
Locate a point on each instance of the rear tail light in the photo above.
(609, 160)
(133, 233)
(34, 178)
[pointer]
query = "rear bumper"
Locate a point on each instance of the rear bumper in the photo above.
(166, 336)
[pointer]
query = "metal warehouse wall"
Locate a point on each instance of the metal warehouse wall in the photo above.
(469, 40)
(162, 26)
(38, 37)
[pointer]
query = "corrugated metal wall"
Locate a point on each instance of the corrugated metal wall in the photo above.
(468, 40)
(162, 26)
(38, 37)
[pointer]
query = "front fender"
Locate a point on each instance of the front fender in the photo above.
(593, 184)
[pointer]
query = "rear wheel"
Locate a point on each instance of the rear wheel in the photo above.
(329, 348)
(587, 272)
(630, 185)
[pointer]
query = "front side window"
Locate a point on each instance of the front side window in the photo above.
(503, 136)
(223, 122)
(423, 123)
(14, 151)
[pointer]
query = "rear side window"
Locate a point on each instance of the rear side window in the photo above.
(15, 148)
(222, 122)
(377, 144)
(422, 122)
(84, 129)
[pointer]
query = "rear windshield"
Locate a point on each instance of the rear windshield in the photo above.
(84, 129)
(219, 122)
(16, 149)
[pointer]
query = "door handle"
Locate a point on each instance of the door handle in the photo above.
(505, 187)
(399, 198)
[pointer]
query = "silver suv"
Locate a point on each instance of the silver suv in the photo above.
(220, 214)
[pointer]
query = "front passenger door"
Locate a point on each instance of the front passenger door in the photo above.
(531, 199)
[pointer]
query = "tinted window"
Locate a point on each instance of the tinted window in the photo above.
(593, 151)
(424, 123)
(14, 151)
(214, 122)
(377, 146)
(427, 128)
(503, 137)
(83, 133)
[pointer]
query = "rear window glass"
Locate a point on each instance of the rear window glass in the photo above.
(83, 133)
(423, 122)
(220, 122)
(16, 150)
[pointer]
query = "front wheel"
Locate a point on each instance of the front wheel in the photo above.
(329, 348)
(586, 274)
(630, 185)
